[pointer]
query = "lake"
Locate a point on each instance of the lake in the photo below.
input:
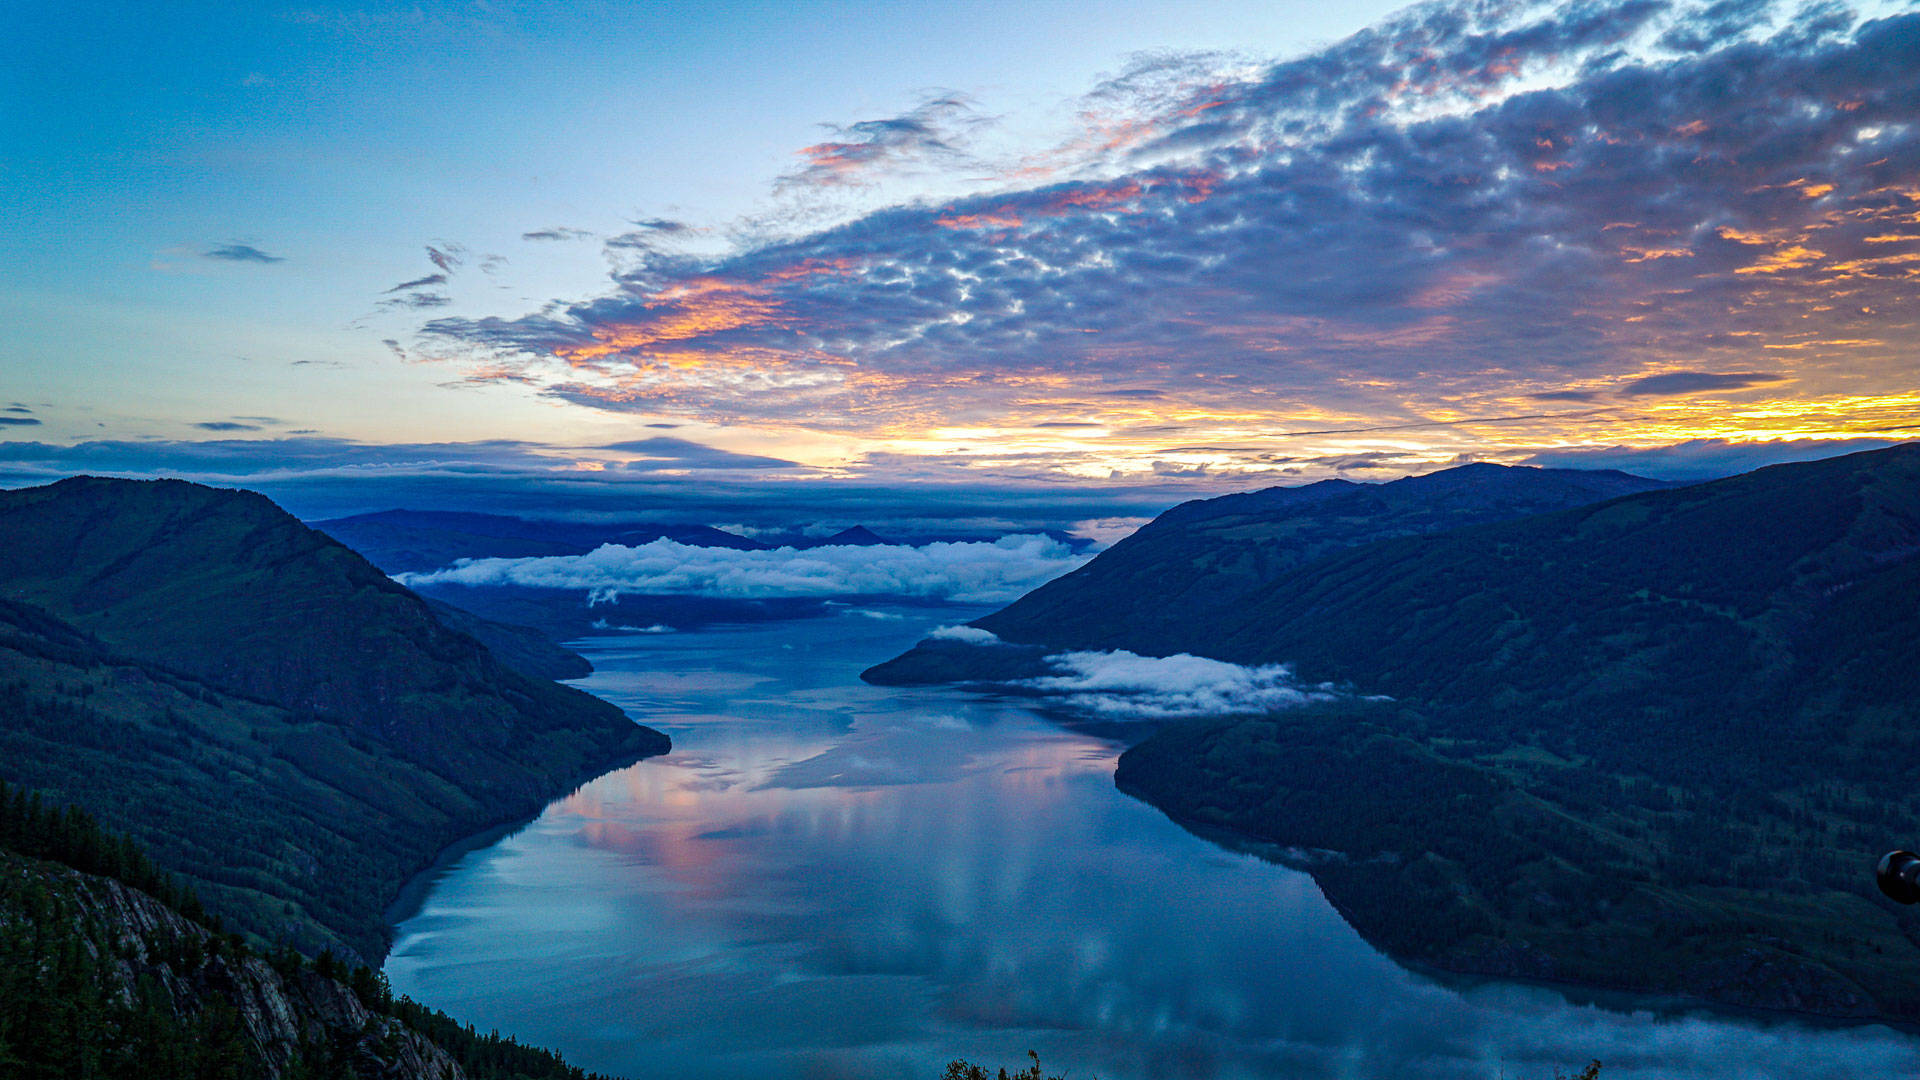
(829, 879)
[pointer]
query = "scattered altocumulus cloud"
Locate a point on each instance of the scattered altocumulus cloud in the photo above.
(1121, 685)
(420, 283)
(241, 253)
(967, 573)
(1703, 459)
(859, 153)
(557, 233)
(1676, 220)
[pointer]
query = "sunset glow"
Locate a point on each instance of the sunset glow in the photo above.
(1492, 234)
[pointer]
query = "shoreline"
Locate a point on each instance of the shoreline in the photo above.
(412, 893)
(1611, 998)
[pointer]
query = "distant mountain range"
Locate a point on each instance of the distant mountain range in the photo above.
(522, 625)
(1652, 742)
(405, 541)
(270, 714)
(410, 541)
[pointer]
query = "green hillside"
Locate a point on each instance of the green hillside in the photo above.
(274, 718)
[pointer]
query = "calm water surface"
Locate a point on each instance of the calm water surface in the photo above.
(827, 879)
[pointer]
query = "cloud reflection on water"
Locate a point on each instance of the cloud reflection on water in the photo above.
(756, 906)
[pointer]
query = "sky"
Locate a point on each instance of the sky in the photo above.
(1044, 261)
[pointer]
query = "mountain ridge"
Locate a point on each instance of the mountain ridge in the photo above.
(1202, 560)
(275, 718)
(405, 541)
(1653, 743)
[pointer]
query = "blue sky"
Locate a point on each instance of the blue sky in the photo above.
(1147, 247)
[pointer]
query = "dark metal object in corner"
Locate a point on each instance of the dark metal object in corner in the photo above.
(1899, 876)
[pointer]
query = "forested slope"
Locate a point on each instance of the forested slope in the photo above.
(109, 969)
(274, 717)
(1653, 743)
(1158, 591)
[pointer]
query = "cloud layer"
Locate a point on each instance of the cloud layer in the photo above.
(968, 573)
(317, 476)
(971, 635)
(1688, 220)
(1120, 685)
(241, 253)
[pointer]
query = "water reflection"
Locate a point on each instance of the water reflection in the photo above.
(830, 879)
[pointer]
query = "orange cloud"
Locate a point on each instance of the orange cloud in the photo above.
(692, 309)
(839, 159)
(1201, 184)
(1198, 185)
(986, 219)
(1192, 111)
(1869, 266)
(1644, 254)
(1113, 197)
(1793, 257)
(700, 307)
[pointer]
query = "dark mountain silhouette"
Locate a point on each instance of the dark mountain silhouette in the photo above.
(1161, 590)
(1652, 742)
(411, 541)
(272, 715)
(1655, 743)
(856, 536)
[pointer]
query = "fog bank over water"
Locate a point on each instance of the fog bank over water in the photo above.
(1121, 685)
(966, 573)
(833, 879)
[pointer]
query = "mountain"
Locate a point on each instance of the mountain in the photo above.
(523, 627)
(155, 995)
(275, 718)
(107, 970)
(1735, 590)
(1157, 591)
(855, 536)
(567, 614)
(522, 648)
(1653, 743)
(409, 541)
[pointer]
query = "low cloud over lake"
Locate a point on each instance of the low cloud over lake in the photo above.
(1120, 685)
(967, 573)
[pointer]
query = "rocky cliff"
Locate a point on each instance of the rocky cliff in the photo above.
(102, 979)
